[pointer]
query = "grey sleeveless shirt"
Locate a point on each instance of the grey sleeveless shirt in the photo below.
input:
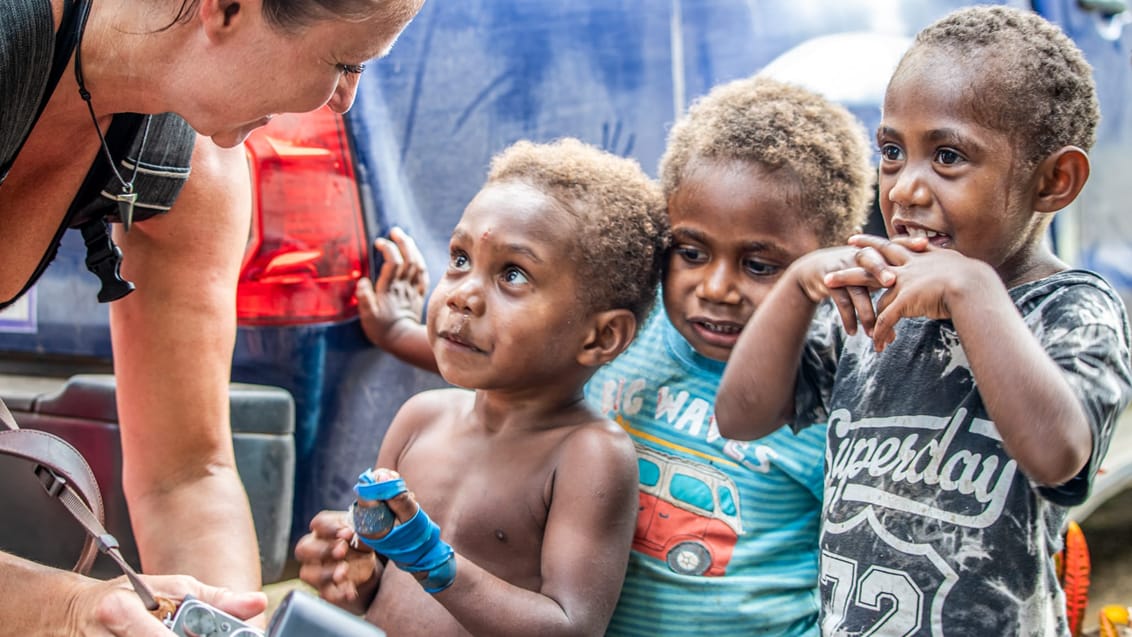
(27, 48)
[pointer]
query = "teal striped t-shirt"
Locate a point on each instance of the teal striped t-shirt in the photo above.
(727, 533)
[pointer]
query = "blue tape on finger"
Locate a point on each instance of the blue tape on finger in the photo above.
(409, 542)
(414, 545)
(440, 577)
(368, 488)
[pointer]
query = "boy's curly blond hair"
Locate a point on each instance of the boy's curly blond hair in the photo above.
(766, 122)
(1037, 86)
(622, 228)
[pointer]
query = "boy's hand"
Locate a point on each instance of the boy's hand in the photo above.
(413, 541)
(853, 302)
(342, 574)
(399, 292)
(924, 277)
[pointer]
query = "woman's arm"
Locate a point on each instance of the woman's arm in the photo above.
(173, 340)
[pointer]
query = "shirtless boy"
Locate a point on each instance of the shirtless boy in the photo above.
(552, 268)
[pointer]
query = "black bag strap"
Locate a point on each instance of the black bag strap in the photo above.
(66, 475)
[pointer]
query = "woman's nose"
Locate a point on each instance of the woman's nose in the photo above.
(344, 93)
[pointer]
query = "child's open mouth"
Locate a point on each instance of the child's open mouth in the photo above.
(717, 333)
(937, 239)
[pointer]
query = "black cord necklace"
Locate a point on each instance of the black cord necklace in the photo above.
(126, 198)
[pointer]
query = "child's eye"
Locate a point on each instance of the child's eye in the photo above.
(760, 268)
(948, 157)
(458, 261)
(690, 254)
(351, 69)
(514, 276)
(891, 152)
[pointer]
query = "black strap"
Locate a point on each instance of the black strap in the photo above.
(65, 39)
(66, 475)
(88, 209)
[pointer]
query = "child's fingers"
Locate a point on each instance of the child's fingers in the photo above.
(863, 307)
(404, 506)
(915, 244)
(364, 293)
(850, 277)
(320, 575)
(844, 303)
(340, 588)
(878, 265)
(884, 328)
(416, 272)
(391, 264)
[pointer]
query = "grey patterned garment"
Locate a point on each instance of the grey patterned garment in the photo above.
(27, 39)
(929, 527)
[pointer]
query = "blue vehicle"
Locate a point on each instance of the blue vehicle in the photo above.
(311, 398)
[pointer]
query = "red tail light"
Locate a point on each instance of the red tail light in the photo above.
(307, 244)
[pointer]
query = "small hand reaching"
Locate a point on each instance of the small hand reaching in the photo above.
(398, 293)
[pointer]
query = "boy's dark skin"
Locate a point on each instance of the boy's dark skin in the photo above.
(534, 491)
(942, 172)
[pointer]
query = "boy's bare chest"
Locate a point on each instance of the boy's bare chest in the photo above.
(490, 498)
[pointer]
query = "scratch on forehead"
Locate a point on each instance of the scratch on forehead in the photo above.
(485, 235)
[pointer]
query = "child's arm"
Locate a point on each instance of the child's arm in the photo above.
(390, 308)
(756, 393)
(344, 571)
(585, 548)
(1041, 421)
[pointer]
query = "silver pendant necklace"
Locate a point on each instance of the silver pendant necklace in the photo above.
(126, 197)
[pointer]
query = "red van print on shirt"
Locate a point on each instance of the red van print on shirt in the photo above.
(689, 514)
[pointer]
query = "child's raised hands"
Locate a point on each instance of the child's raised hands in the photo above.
(924, 279)
(399, 292)
(852, 300)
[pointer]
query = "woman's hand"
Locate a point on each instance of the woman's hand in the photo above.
(111, 608)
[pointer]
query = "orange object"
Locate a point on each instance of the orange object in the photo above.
(1073, 568)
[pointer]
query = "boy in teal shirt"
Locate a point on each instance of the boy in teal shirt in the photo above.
(757, 174)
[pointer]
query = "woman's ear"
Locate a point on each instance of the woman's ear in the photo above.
(1061, 176)
(611, 334)
(219, 16)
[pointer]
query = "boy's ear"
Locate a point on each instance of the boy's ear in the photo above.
(220, 16)
(611, 334)
(1061, 176)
